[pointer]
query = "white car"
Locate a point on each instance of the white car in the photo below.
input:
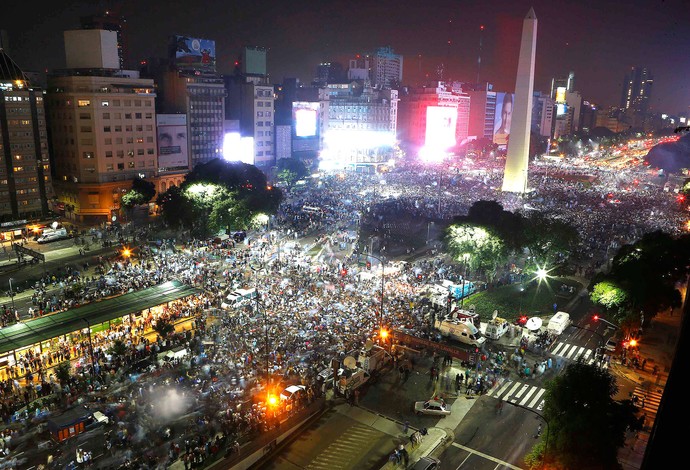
(431, 407)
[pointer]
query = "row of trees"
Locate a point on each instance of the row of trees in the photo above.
(490, 235)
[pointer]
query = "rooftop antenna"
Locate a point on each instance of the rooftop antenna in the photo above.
(479, 55)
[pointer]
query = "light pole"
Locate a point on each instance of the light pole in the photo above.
(465, 258)
(546, 441)
(255, 269)
(93, 366)
(383, 269)
(12, 296)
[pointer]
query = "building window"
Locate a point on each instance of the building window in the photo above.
(106, 129)
(87, 154)
(105, 103)
(85, 128)
(83, 103)
(137, 115)
(120, 154)
(149, 151)
(106, 115)
(118, 128)
(128, 102)
(128, 115)
(149, 115)
(140, 152)
(109, 154)
(108, 141)
(116, 102)
(109, 167)
(130, 164)
(120, 166)
(84, 116)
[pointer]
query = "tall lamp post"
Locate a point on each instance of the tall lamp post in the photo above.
(383, 269)
(256, 267)
(12, 296)
(93, 365)
(465, 258)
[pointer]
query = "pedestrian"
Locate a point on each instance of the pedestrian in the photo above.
(538, 431)
(406, 427)
(404, 454)
(458, 382)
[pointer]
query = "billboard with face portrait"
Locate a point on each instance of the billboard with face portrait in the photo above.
(504, 114)
(305, 116)
(440, 126)
(194, 53)
(172, 140)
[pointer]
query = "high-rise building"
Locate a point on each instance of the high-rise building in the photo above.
(427, 112)
(329, 72)
(637, 89)
(482, 110)
(25, 179)
(110, 22)
(103, 132)
(250, 99)
(542, 114)
(360, 125)
(517, 158)
(103, 127)
(386, 69)
(383, 68)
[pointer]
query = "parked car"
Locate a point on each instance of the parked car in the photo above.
(291, 394)
(427, 463)
(431, 407)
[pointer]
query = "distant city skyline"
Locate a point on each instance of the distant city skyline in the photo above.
(597, 40)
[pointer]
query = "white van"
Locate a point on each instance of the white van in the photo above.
(461, 331)
(558, 323)
(51, 235)
(239, 298)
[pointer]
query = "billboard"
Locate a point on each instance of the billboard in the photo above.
(441, 122)
(305, 116)
(237, 148)
(194, 54)
(560, 94)
(502, 118)
(561, 109)
(173, 150)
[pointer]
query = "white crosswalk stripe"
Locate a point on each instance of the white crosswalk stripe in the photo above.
(572, 352)
(346, 448)
(519, 393)
(650, 400)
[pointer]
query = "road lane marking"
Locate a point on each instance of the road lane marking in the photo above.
(486, 456)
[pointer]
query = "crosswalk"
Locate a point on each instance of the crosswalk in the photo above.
(649, 401)
(572, 352)
(348, 448)
(519, 393)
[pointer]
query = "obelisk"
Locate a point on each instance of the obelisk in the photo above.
(517, 159)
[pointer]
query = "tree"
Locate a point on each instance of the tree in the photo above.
(289, 170)
(548, 240)
(586, 426)
(141, 192)
(486, 249)
(609, 295)
(163, 328)
(63, 373)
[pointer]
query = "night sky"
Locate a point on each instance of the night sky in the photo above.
(599, 40)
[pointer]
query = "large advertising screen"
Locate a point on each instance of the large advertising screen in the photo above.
(305, 116)
(441, 122)
(504, 114)
(172, 140)
(194, 53)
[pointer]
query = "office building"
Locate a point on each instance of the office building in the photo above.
(25, 177)
(110, 22)
(637, 89)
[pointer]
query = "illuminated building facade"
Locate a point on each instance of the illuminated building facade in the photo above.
(360, 125)
(25, 181)
(637, 89)
(103, 133)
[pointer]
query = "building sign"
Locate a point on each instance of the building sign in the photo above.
(194, 54)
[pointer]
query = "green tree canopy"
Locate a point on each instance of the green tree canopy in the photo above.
(141, 192)
(289, 170)
(486, 249)
(548, 240)
(586, 426)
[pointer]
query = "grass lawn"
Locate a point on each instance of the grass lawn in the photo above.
(536, 300)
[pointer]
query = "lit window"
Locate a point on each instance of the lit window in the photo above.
(83, 103)
(105, 103)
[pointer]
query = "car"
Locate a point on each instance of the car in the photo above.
(431, 407)
(611, 345)
(427, 463)
(291, 394)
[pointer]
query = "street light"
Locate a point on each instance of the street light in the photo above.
(465, 258)
(383, 269)
(93, 365)
(255, 267)
(12, 296)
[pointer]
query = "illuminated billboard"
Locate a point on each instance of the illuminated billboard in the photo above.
(194, 54)
(440, 126)
(173, 151)
(561, 109)
(237, 148)
(502, 118)
(305, 116)
(560, 94)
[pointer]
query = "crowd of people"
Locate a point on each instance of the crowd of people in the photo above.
(317, 300)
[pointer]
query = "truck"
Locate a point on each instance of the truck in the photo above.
(496, 328)
(351, 379)
(463, 332)
(373, 358)
(51, 235)
(558, 323)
